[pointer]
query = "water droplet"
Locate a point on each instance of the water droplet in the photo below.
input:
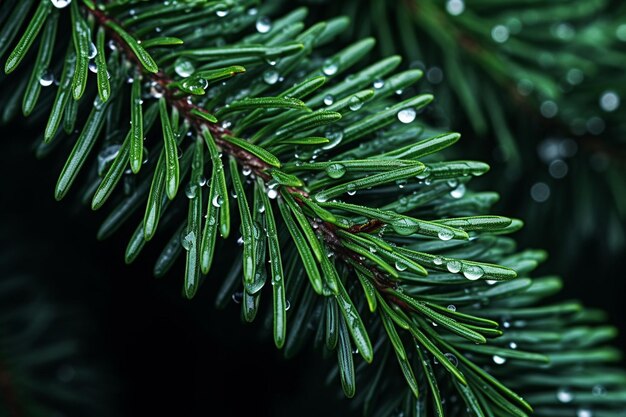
(351, 188)
(217, 201)
(513, 345)
(93, 51)
(564, 395)
(106, 156)
(472, 272)
(335, 135)
(549, 109)
(188, 240)
(438, 260)
(525, 87)
(498, 360)
(156, 91)
(558, 169)
(202, 181)
(500, 33)
(453, 359)
(329, 99)
(240, 240)
(407, 115)
(574, 76)
(330, 67)
(46, 79)
(434, 75)
(540, 192)
(335, 170)
(452, 307)
(445, 234)
(454, 266)
(246, 171)
(598, 390)
(263, 24)
(609, 101)
(93, 67)
(400, 266)
(222, 12)
(378, 83)
(405, 226)
(455, 7)
(237, 297)
(184, 67)
(287, 305)
(271, 76)
(272, 193)
(458, 192)
(191, 190)
(59, 4)
(355, 103)
(584, 412)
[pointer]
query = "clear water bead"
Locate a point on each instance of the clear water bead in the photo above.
(498, 360)
(106, 156)
(329, 100)
(445, 234)
(46, 79)
(438, 260)
(330, 67)
(59, 4)
(188, 240)
(609, 101)
(217, 201)
(379, 83)
(558, 169)
(500, 33)
(400, 266)
(355, 103)
(455, 7)
(334, 135)
(584, 412)
(335, 170)
(222, 12)
(473, 272)
(564, 395)
(458, 192)
(407, 115)
(453, 359)
(263, 24)
(452, 307)
(184, 67)
(93, 51)
(540, 192)
(549, 109)
(191, 190)
(454, 266)
(271, 76)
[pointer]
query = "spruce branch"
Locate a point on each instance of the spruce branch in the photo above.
(335, 182)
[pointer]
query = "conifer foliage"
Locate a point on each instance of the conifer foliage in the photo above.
(204, 118)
